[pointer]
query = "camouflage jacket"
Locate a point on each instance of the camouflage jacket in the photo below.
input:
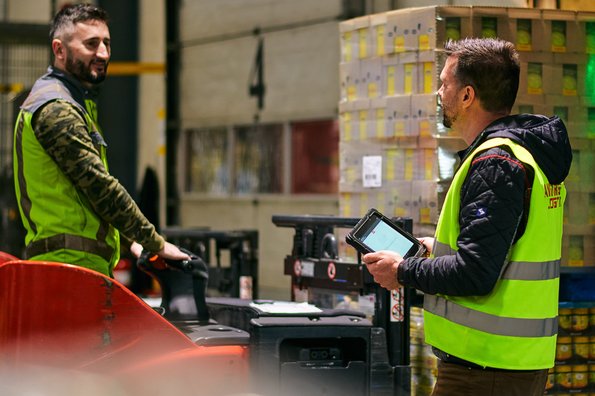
(61, 130)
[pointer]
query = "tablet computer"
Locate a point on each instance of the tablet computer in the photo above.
(375, 232)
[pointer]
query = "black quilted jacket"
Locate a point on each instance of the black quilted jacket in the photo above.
(492, 202)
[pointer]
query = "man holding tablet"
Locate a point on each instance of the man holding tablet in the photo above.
(491, 281)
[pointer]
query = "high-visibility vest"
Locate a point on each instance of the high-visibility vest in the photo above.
(60, 222)
(515, 325)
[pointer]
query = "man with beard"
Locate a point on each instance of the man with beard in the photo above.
(74, 211)
(491, 281)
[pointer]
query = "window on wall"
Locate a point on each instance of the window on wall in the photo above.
(207, 162)
(315, 157)
(257, 159)
(299, 157)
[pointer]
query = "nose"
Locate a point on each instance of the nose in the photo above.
(103, 51)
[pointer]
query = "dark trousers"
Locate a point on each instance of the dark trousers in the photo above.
(457, 380)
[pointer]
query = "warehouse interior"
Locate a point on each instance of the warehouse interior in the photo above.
(222, 114)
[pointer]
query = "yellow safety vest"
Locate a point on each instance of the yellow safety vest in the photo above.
(515, 325)
(61, 224)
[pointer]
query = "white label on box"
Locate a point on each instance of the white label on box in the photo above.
(372, 171)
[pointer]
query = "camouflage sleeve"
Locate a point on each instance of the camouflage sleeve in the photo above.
(61, 130)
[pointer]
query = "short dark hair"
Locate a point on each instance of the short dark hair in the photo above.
(72, 14)
(491, 67)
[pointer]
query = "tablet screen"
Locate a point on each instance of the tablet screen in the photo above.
(383, 237)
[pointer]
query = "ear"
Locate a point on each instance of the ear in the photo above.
(58, 49)
(468, 96)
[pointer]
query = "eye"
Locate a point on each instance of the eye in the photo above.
(92, 44)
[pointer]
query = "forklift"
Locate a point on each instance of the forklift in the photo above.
(226, 345)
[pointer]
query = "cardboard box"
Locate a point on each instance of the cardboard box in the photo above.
(587, 168)
(567, 111)
(398, 111)
(355, 204)
(430, 63)
(523, 109)
(400, 73)
(537, 74)
(378, 34)
(430, 142)
(563, 31)
(400, 200)
(524, 99)
(371, 85)
(396, 164)
(396, 22)
(425, 202)
(351, 154)
(586, 21)
(427, 28)
(361, 119)
(345, 121)
(349, 79)
(527, 29)
(410, 72)
(361, 39)
(578, 130)
(424, 115)
(353, 118)
(452, 23)
(378, 127)
(577, 208)
(392, 75)
(426, 165)
(565, 79)
(574, 175)
(537, 57)
(491, 22)
(576, 80)
(590, 121)
(531, 81)
(346, 39)
(412, 29)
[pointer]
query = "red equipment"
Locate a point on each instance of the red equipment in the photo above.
(74, 319)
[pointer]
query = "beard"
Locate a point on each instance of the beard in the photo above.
(448, 117)
(83, 72)
(447, 120)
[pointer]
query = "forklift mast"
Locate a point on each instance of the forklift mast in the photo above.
(315, 263)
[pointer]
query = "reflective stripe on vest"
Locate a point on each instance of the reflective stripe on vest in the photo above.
(493, 324)
(515, 325)
(521, 270)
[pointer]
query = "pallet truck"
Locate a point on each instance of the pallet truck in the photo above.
(78, 321)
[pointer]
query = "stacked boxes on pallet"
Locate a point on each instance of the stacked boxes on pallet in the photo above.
(396, 155)
(388, 113)
(558, 78)
(574, 372)
(424, 364)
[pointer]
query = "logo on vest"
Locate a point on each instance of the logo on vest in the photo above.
(553, 191)
(481, 212)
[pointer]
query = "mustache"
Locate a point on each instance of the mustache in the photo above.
(102, 62)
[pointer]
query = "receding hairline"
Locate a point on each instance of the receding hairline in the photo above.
(65, 31)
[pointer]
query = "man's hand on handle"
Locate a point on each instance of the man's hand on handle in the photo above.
(169, 251)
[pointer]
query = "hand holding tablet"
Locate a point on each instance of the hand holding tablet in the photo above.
(375, 232)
